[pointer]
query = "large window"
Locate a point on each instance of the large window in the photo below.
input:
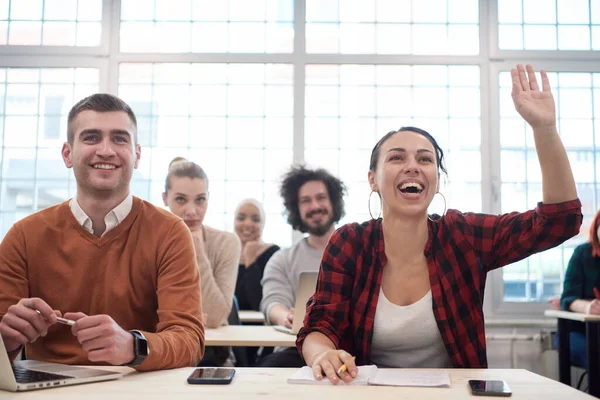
(549, 25)
(576, 94)
(50, 22)
(349, 107)
(235, 120)
(392, 26)
(34, 103)
(207, 26)
(247, 87)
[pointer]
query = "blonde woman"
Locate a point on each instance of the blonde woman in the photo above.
(217, 252)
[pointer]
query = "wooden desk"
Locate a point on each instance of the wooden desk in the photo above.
(248, 335)
(592, 328)
(251, 316)
(271, 383)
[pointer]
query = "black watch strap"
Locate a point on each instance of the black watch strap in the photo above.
(140, 349)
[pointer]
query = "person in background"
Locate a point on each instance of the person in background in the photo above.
(581, 290)
(406, 290)
(314, 203)
(249, 224)
(122, 268)
(217, 252)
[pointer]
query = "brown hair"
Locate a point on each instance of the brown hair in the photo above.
(182, 168)
(439, 153)
(594, 235)
(99, 102)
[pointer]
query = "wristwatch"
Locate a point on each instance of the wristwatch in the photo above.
(140, 349)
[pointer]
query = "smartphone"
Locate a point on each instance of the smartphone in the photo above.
(211, 376)
(489, 388)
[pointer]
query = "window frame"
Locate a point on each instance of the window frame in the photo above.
(494, 303)
(491, 61)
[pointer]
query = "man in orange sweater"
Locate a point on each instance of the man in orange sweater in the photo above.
(122, 269)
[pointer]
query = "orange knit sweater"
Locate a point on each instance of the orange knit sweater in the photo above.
(142, 273)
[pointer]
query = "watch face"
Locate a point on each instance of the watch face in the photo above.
(142, 347)
(140, 344)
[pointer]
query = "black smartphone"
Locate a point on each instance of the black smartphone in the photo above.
(489, 388)
(211, 376)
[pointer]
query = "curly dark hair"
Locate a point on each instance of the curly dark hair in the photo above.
(298, 176)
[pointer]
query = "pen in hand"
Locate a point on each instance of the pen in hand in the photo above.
(65, 321)
(61, 320)
(344, 367)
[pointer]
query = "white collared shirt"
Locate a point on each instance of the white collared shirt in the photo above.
(111, 220)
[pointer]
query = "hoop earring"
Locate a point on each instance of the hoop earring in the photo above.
(369, 205)
(444, 213)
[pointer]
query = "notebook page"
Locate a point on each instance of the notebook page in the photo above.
(407, 377)
(304, 376)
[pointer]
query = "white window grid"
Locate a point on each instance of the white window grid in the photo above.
(491, 61)
(549, 25)
(50, 22)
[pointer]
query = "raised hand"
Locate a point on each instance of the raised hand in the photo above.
(534, 105)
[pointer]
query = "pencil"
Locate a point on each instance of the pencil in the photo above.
(61, 320)
(65, 321)
(344, 367)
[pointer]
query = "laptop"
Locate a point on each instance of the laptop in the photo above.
(307, 283)
(31, 375)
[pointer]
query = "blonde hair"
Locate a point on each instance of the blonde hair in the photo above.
(182, 168)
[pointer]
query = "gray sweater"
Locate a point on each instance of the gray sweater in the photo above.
(282, 273)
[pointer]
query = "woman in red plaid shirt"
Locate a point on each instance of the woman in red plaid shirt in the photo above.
(406, 290)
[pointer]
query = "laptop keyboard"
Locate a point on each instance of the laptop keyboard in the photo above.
(23, 375)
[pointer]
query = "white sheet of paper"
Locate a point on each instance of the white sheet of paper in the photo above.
(304, 376)
(407, 377)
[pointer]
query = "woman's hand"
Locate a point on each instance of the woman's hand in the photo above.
(594, 307)
(535, 106)
(329, 362)
(198, 238)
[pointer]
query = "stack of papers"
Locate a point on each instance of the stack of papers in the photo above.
(371, 375)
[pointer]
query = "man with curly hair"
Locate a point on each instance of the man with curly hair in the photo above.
(314, 203)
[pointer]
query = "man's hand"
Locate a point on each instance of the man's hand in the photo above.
(26, 321)
(102, 338)
(287, 320)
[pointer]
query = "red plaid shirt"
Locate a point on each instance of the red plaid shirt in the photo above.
(460, 251)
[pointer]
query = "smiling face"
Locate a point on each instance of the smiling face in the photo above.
(407, 175)
(248, 224)
(315, 207)
(188, 199)
(103, 154)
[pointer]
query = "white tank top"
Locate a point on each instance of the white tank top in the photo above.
(407, 336)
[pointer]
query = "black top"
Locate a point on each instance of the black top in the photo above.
(248, 289)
